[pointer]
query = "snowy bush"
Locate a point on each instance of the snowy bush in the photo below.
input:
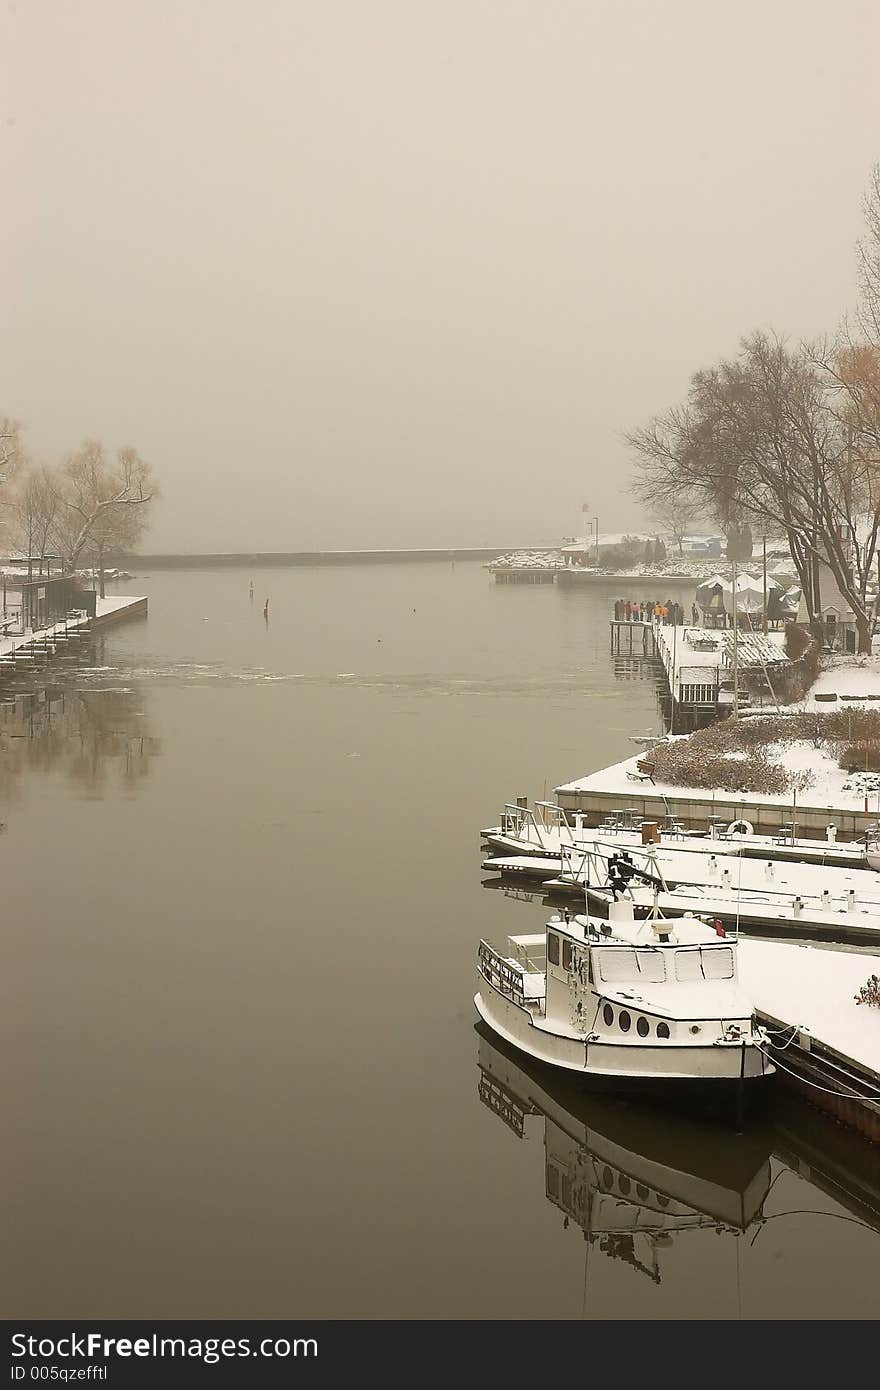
(748, 755)
(860, 757)
(869, 993)
(863, 782)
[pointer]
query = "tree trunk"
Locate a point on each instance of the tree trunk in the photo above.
(101, 593)
(864, 627)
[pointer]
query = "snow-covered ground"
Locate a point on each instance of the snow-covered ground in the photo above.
(854, 680)
(673, 567)
(529, 559)
(825, 794)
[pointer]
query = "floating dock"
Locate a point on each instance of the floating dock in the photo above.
(827, 1045)
(625, 788)
(25, 649)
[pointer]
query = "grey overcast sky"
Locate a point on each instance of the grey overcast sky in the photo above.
(398, 272)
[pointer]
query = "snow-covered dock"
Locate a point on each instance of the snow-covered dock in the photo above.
(22, 648)
(826, 1045)
(803, 900)
(626, 787)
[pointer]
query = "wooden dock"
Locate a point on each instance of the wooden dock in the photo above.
(24, 650)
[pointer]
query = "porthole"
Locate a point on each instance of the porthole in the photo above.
(642, 1191)
(624, 1020)
(662, 1030)
(607, 1178)
(625, 1185)
(608, 1015)
(643, 1027)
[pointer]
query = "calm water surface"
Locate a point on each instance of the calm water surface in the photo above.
(242, 902)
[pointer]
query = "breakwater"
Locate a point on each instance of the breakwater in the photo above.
(281, 559)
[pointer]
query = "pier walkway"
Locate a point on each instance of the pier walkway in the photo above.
(21, 648)
(828, 1046)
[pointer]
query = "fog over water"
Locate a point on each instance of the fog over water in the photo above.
(396, 274)
(242, 902)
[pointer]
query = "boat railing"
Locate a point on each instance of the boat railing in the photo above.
(506, 978)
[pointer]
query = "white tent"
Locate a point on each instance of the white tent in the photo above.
(716, 595)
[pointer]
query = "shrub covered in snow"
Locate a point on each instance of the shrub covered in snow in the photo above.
(860, 757)
(862, 782)
(748, 755)
(870, 993)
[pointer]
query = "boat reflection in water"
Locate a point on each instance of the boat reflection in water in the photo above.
(792, 1194)
(632, 1177)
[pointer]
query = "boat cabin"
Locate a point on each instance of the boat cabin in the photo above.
(656, 980)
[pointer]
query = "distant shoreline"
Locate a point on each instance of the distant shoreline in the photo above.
(278, 559)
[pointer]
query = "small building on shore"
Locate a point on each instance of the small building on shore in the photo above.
(36, 594)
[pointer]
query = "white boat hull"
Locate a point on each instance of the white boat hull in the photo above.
(624, 1060)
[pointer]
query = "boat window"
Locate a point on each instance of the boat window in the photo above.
(624, 1021)
(662, 1030)
(552, 948)
(718, 963)
(713, 963)
(688, 965)
(652, 967)
(617, 966)
(643, 1027)
(566, 954)
(608, 1015)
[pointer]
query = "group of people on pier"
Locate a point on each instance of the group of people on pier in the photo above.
(646, 611)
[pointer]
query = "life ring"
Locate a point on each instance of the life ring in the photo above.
(740, 827)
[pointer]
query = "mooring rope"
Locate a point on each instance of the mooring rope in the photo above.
(777, 1032)
(853, 1095)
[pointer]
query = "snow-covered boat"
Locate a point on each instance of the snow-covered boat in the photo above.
(643, 1001)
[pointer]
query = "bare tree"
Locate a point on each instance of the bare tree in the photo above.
(102, 506)
(676, 513)
(868, 254)
(12, 459)
(33, 511)
(765, 436)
